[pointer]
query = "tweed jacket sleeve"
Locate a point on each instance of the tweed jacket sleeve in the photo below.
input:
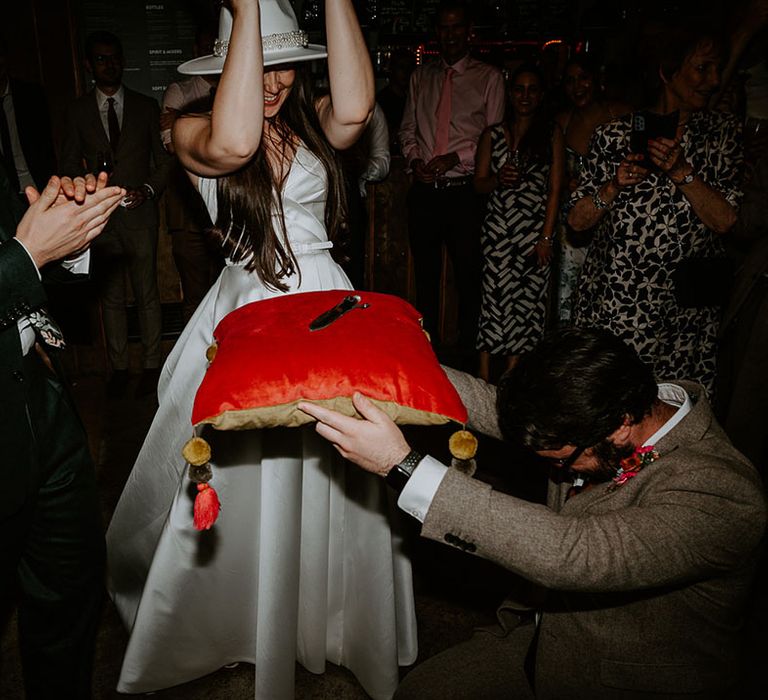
(479, 398)
(699, 509)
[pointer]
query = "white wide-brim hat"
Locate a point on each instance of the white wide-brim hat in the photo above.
(282, 40)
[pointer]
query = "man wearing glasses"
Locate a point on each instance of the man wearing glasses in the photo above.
(117, 130)
(644, 551)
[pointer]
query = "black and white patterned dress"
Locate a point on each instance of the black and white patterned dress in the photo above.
(513, 306)
(625, 283)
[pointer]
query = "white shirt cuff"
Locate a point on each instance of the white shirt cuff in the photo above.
(420, 489)
(78, 264)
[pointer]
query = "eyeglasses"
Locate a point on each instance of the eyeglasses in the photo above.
(566, 462)
(107, 58)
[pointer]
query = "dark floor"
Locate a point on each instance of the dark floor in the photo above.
(454, 592)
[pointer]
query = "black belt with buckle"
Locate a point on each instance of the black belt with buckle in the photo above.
(443, 183)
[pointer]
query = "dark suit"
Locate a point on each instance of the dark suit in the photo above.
(645, 584)
(33, 125)
(51, 539)
(130, 238)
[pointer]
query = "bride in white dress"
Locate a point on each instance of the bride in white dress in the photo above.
(302, 563)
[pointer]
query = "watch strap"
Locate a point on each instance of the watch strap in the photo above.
(398, 476)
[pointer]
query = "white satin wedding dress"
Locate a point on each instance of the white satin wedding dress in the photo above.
(302, 563)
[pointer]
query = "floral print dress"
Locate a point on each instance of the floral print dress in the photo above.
(626, 284)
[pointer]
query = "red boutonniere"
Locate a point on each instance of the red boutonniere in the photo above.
(630, 466)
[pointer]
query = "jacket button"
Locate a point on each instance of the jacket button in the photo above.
(470, 547)
(449, 538)
(18, 376)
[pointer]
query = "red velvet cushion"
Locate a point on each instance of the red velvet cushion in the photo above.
(267, 360)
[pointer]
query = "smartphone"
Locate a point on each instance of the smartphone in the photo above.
(647, 125)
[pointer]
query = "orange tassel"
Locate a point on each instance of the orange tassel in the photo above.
(207, 507)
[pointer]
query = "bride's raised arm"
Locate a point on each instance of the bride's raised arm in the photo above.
(227, 139)
(346, 111)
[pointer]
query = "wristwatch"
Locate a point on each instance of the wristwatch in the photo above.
(398, 476)
(687, 180)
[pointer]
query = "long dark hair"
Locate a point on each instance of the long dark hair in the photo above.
(249, 198)
(575, 388)
(537, 140)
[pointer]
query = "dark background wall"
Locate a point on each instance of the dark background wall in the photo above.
(44, 37)
(39, 35)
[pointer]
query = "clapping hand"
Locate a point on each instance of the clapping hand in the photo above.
(58, 224)
(74, 189)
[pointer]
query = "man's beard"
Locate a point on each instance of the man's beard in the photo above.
(608, 457)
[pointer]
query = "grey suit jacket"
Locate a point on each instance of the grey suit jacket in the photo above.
(140, 156)
(646, 582)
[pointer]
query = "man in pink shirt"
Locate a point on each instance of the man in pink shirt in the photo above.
(450, 102)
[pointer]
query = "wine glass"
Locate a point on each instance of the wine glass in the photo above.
(520, 162)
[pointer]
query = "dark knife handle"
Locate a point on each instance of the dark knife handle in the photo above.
(328, 317)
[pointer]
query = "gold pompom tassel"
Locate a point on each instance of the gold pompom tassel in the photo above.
(197, 453)
(463, 447)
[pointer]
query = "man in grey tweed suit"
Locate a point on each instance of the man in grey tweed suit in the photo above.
(643, 579)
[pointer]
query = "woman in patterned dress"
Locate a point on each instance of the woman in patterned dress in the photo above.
(588, 108)
(652, 218)
(520, 165)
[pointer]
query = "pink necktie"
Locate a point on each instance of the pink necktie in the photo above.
(444, 114)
